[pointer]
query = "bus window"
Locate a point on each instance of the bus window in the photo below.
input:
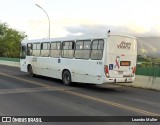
(23, 52)
(87, 45)
(68, 49)
(29, 49)
(82, 50)
(101, 45)
(97, 49)
(36, 49)
(55, 49)
(45, 47)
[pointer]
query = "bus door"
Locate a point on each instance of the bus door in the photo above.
(23, 58)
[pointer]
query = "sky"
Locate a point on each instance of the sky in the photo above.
(76, 17)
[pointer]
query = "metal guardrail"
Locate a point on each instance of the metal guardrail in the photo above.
(151, 71)
(142, 81)
(10, 59)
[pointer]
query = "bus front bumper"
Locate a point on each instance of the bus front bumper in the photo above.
(118, 80)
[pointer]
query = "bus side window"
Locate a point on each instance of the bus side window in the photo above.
(45, 47)
(67, 49)
(97, 49)
(36, 49)
(82, 50)
(55, 49)
(29, 49)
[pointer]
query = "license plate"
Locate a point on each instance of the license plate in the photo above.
(120, 72)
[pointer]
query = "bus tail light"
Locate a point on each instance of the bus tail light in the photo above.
(134, 70)
(106, 70)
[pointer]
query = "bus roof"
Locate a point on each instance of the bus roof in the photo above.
(82, 37)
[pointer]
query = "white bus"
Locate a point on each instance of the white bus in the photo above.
(85, 59)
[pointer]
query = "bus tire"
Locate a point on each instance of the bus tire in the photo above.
(66, 78)
(30, 71)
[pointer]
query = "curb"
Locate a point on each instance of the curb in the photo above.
(10, 63)
(146, 82)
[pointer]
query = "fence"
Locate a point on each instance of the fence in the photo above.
(151, 71)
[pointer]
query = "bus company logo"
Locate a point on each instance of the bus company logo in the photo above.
(124, 45)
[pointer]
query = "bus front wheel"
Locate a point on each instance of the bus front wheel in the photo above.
(30, 71)
(66, 78)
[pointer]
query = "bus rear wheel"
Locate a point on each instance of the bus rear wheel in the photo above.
(30, 71)
(66, 78)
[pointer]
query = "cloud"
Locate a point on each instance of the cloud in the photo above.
(97, 29)
(103, 29)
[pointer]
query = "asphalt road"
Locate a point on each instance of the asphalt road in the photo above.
(22, 95)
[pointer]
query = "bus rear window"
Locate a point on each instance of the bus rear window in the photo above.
(122, 44)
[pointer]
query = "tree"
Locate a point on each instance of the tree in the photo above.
(10, 40)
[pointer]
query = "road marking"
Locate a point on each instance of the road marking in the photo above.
(25, 80)
(28, 90)
(133, 109)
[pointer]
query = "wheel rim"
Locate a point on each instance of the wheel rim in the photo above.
(30, 71)
(66, 78)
